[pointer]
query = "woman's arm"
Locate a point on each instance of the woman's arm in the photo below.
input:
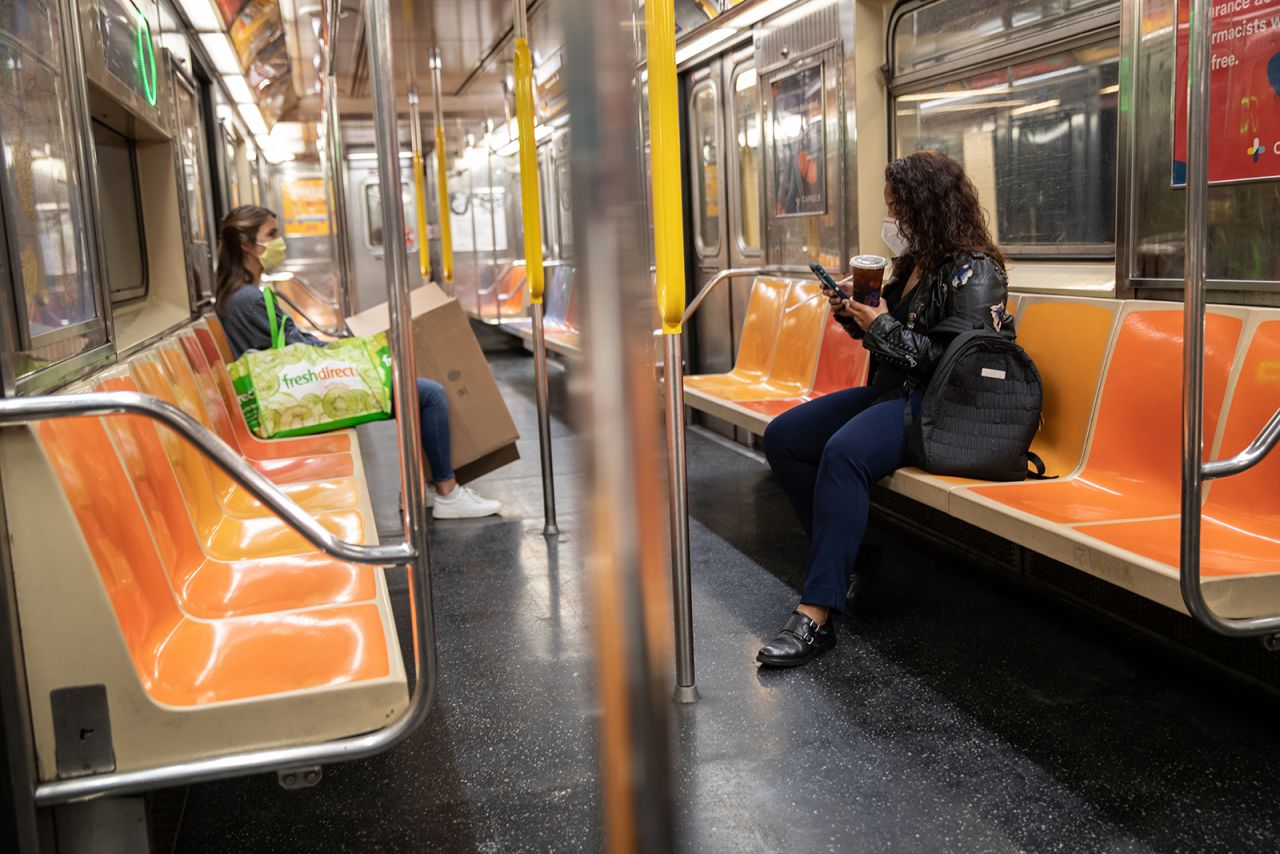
(973, 288)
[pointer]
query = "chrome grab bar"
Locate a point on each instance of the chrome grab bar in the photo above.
(413, 551)
(336, 333)
(1194, 471)
(42, 408)
(738, 273)
(1263, 444)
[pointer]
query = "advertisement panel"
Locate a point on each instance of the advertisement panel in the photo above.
(800, 144)
(305, 207)
(1244, 92)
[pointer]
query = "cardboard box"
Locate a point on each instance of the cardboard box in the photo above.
(483, 436)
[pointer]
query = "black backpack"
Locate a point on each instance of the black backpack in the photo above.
(980, 411)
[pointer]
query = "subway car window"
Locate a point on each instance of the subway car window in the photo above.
(1038, 136)
(746, 106)
(122, 232)
(47, 225)
(936, 33)
(373, 212)
(1244, 218)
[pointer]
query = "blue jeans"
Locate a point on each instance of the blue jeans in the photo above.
(826, 454)
(433, 403)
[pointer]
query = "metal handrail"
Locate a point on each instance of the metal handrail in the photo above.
(1194, 471)
(41, 408)
(414, 550)
(738, 273)
(336, 333)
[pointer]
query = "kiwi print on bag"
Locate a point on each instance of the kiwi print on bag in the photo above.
(299, 389)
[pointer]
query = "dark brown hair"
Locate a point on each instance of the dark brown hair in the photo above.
(238, 231)
(938, 211)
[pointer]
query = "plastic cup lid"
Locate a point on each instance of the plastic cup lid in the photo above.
(868, 262)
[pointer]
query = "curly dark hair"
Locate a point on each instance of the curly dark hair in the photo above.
(938, 211)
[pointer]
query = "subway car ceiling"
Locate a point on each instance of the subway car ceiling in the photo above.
(132, 126)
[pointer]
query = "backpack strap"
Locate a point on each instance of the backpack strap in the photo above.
(1037, 470)
(277, 328)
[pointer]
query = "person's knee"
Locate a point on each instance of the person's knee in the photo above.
(775, 440)
(849, 452)
(431, 394)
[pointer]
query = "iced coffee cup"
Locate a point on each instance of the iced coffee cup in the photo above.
(868, 275)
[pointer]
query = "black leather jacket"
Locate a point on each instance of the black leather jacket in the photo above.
(969, 291)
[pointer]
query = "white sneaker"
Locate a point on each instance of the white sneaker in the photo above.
(464, 503)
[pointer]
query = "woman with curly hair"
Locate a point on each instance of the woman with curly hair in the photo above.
(827, 454)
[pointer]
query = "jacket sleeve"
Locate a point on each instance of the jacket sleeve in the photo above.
(974, 292)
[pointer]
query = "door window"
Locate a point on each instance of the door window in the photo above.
(706, 156)
(746, 111)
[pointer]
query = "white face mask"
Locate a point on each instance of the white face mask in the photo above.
(892, 237)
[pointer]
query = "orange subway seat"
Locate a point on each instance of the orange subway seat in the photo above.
(756, 345)
(1068, 342)
(204, 405)
(511, 296)
(209, 366)
(222, 536)
(181, 660)
(795, 356)
(1240, 533)
(842, 364)
(220, 588)
(1133, 465)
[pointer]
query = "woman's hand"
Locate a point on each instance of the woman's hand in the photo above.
(837, 299)
(864, 315)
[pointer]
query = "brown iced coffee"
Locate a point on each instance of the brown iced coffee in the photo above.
(868, 275)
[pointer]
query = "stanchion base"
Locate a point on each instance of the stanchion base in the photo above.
(686, 694)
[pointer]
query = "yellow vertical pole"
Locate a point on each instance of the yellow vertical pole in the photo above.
(531, 204)
(664, 131)
(531, 215)
(668, 251)
(419, 185)
(442, 177)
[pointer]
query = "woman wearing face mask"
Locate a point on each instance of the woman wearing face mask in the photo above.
(249, 243)
(827, 454)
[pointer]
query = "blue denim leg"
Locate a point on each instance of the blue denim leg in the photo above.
(433, 403)
(869, 447)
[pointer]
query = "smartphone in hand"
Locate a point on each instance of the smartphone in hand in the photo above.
(827, 282)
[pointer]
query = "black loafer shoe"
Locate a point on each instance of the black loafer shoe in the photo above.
(799, 642)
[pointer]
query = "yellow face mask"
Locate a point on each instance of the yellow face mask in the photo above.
(272, 254)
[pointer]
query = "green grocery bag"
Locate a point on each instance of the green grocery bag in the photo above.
(298, 389)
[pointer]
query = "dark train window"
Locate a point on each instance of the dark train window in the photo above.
(1038, 135)
(122, 228)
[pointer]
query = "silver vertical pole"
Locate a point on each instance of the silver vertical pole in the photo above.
(339, 183)
(627, 563)
(534, 270)
(678, 478)
(1194, 301)
(378, 25)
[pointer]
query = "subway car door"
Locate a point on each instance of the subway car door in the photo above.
(713, 324)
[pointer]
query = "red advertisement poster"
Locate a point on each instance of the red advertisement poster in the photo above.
(1244, 92)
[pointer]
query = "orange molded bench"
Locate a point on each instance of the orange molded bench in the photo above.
(98, 608)
(507, 302)
(842, 364)
(757, 343)
(206, 587)
(560, 314)
(1133, 465)
(223, 536)
(1240, 533)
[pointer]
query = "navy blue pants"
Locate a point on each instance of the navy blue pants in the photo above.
(433, 404)
(826, 454)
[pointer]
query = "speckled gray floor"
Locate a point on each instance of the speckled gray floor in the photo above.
(958, 713)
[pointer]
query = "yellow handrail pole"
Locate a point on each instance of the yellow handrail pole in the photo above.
(442, 177)
(419, 185)
(531, 215)
(668, 235)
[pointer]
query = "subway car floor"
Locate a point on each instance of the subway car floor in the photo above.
(960, 712)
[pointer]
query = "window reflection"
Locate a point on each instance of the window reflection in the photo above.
(746, 107)
(1039, 141)
(705, 136)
